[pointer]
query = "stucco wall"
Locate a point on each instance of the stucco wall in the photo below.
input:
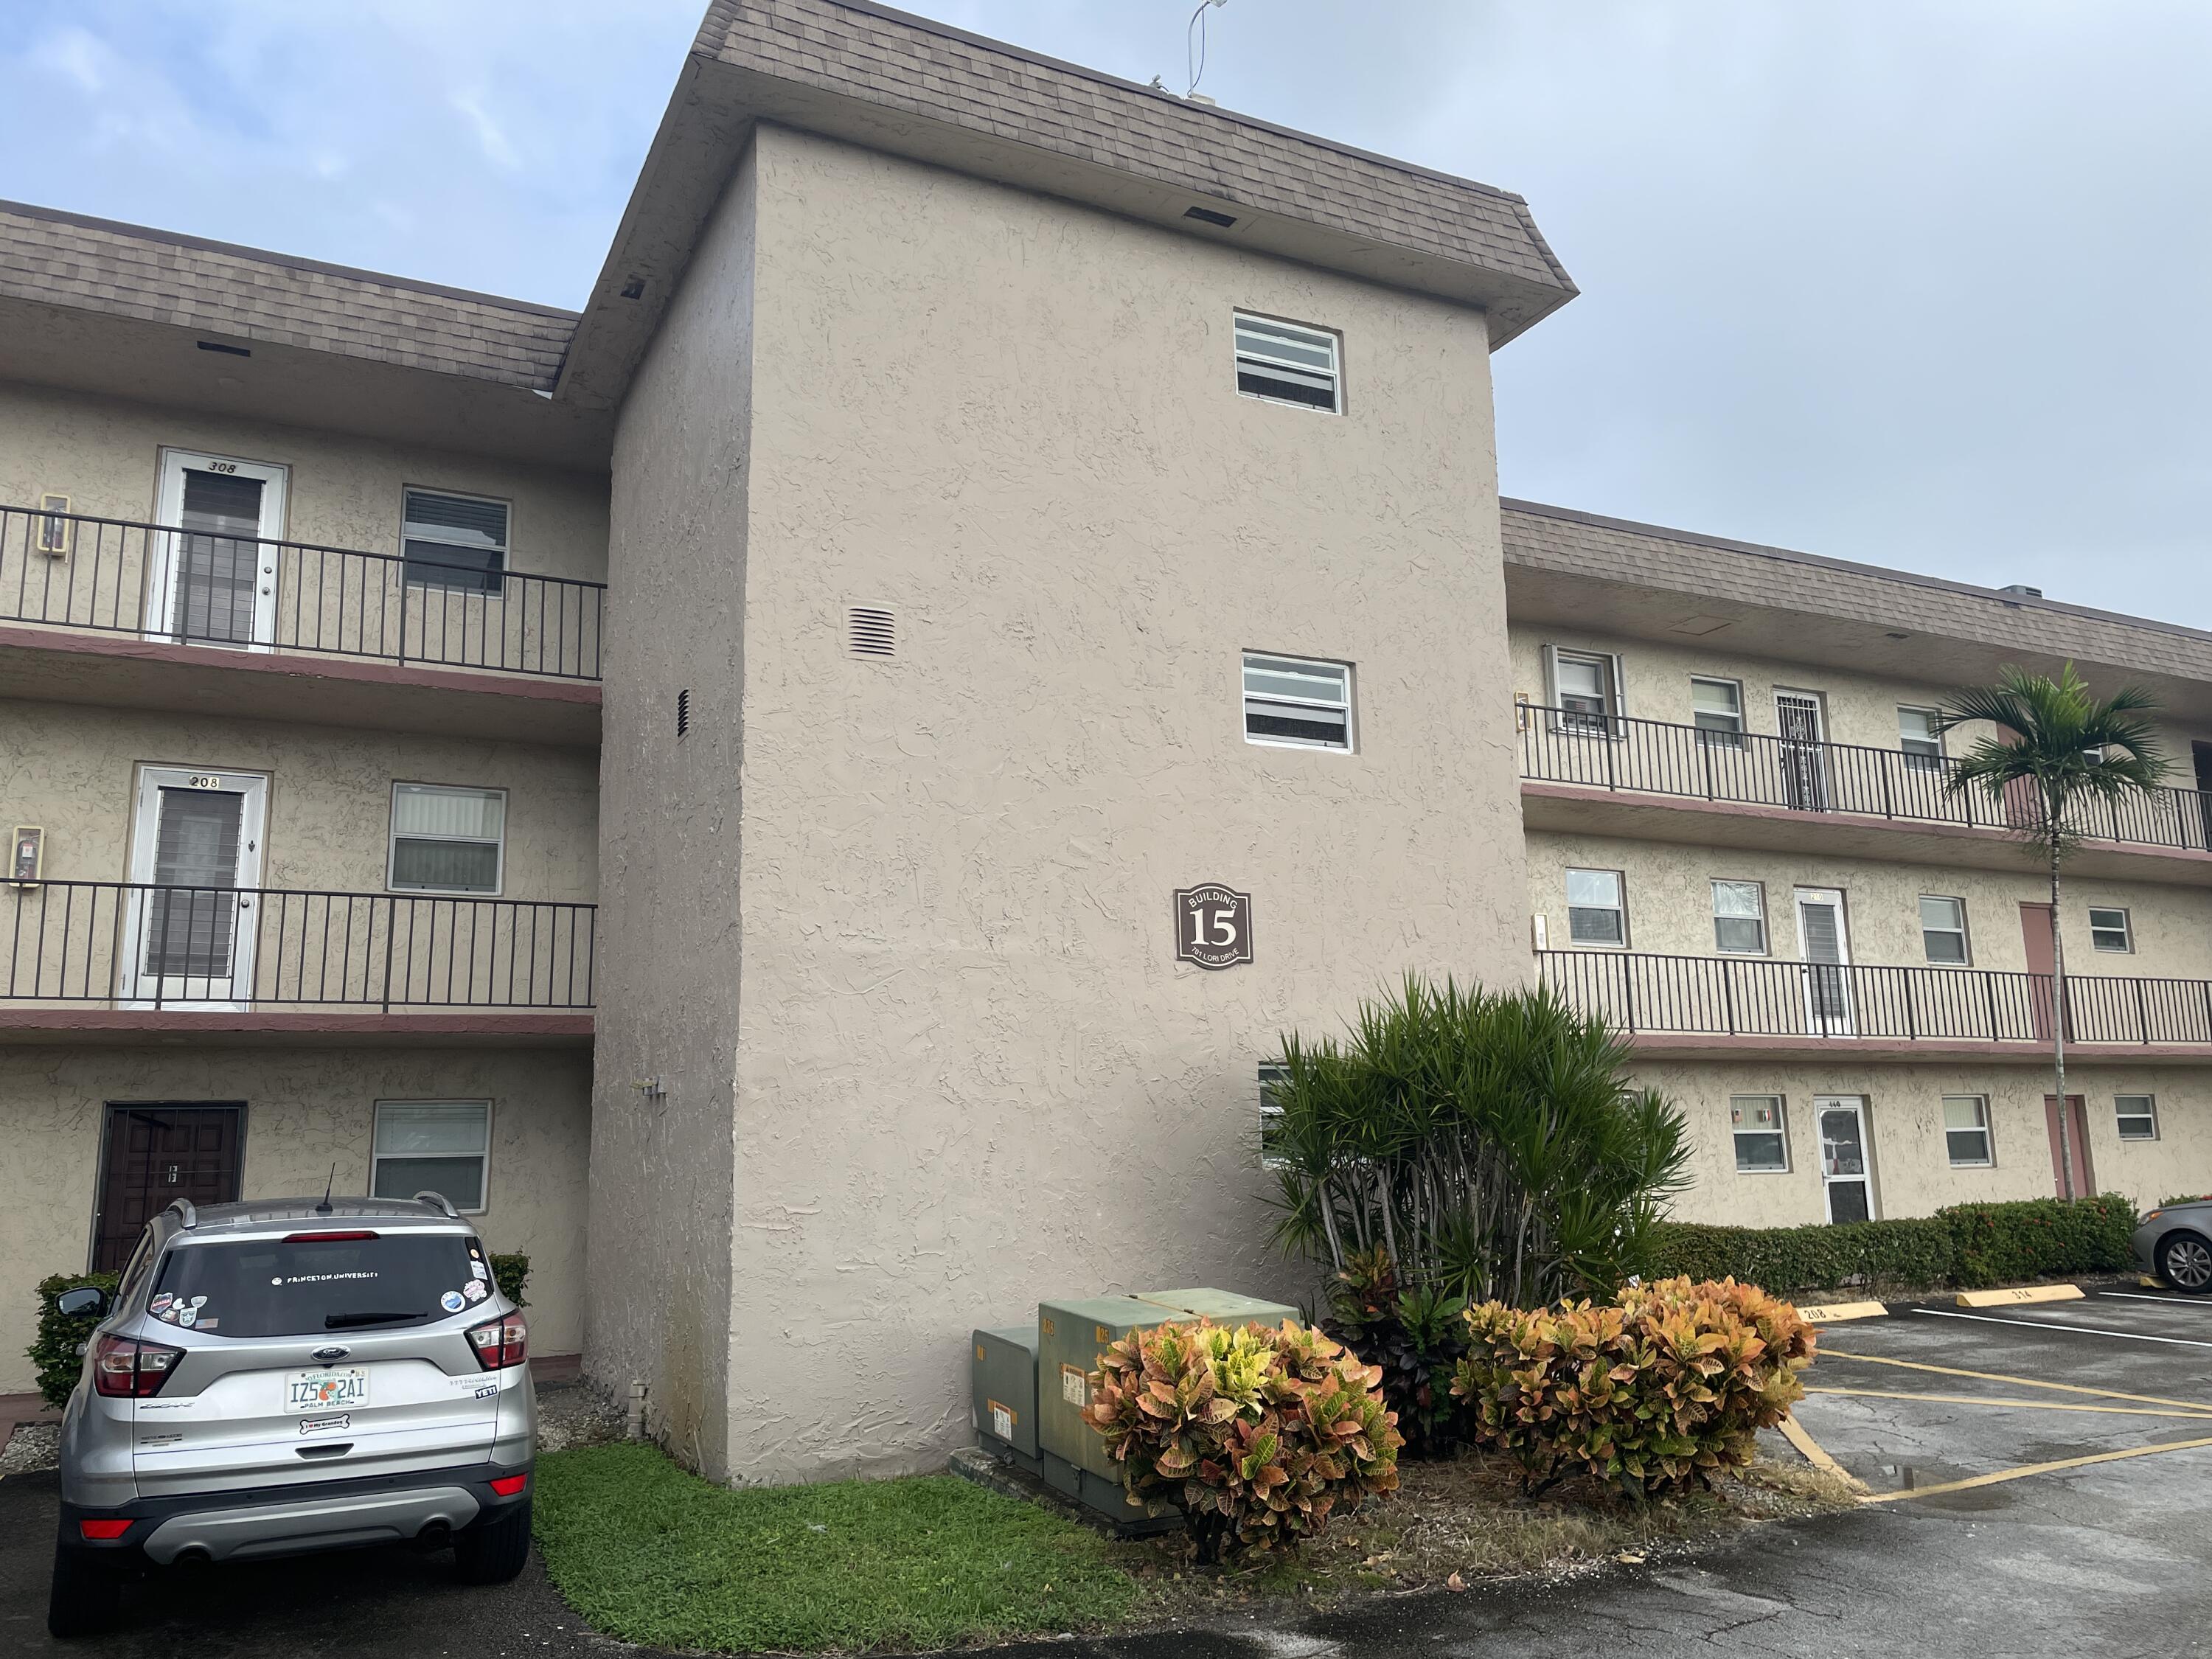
(1670, 899)
(73, 769)
(344, 490)
(670, 958)
(972, 1074)
(1859, 708)
(305, 1108)
(1913, 1172)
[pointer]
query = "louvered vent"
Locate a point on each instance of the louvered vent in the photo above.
(870, 633)
(683, 712)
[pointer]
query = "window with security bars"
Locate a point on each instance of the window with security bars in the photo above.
(447, 839)
(432, 1146)
(1966, 1130)
(1290, 700)
(1762, 1139)
(456, 542)
(1284, 363)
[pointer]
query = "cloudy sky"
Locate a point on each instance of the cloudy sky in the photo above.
(1922, 283)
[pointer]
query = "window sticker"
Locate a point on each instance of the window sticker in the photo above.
(452, 1302)
(189, 1317)
(478, 1270)
(159, 1302)
(474, 1290)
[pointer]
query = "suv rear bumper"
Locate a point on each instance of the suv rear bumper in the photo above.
(252, 1522)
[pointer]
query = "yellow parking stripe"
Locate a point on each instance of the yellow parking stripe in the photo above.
(1813, 1452)
(2192, 1406)
(2029, 1405)
(2027, 1469)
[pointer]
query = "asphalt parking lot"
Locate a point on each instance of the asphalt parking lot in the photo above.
(2017, 1512)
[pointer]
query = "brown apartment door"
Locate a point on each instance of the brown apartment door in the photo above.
(153, 1155)
(2077, 1147)
(2042, 963)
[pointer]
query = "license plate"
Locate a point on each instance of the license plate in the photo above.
(322, 1391)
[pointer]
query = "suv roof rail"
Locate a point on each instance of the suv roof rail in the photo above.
(186, 1213)
(426, 1196)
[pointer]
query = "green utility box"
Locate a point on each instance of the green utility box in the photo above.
(1223, 1306)
(1071, 1335)
(1003, 1383)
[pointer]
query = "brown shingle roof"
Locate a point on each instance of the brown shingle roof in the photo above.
(244, 293)
(1712, 568)
(877, 56)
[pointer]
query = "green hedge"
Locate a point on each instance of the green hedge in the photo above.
(1786, 1260)
(511, 1273)
(2039, 1239)
(1967, 1245)
(53, 1353)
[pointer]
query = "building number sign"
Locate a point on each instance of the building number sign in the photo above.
(1213, 925)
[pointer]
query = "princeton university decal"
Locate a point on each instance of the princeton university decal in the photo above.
(1213, 925)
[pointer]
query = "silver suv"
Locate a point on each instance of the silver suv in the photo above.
(296, 1374)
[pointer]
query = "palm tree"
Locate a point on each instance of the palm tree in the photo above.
(2066, 748)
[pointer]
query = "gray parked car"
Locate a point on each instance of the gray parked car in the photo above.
(2174, 1243)
(294, 1375)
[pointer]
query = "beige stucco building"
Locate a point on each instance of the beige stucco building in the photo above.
(808, 790)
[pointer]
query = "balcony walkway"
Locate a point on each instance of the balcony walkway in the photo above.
(1609, 775)
(127, 962)
(1740, 1008)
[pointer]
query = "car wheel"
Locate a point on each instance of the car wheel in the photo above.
(83, 1598)
(2185, 1261)
(494, 1553)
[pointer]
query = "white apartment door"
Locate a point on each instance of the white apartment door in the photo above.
(1803, 751)
(188, 933)
(211, 569)
(1846, 1166)
(1824, 945)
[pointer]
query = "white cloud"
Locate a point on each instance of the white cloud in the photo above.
(500, 153)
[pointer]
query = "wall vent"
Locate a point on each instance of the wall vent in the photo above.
(1207, 216)
(683, 711)
(869, 632)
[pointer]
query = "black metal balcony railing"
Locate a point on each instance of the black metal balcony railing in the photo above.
(1615, 752)
(138, 946)
(187, 587)
(1756, 996)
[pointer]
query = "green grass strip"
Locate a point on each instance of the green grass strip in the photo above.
(646, 1551)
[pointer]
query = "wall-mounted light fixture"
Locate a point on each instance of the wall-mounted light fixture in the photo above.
(26, 850)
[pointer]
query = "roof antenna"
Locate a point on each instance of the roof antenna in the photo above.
(1194, 44)
(324, 1208)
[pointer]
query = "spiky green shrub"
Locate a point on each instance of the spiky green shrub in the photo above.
(1256, 1435)
(1488, 1141)
(1654, 1393)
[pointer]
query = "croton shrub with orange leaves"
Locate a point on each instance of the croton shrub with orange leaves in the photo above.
(1256, 1435)
(1654, 1393)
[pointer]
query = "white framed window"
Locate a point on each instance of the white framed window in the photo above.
(1596, 913)
(1762, 1134)
(434, 1146)
(447, 839)
(1586, 690)
(1919, 740)
(1271, 1114)
(1717, 708)
(2136, 1117)
(454, 541)
(1966, 1130)
(1739, 917)
(1291, 700)
(1943, 930)
(2110, 929)
(1286, 363)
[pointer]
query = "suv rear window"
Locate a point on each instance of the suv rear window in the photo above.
(301, 1285)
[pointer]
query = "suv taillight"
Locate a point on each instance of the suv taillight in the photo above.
(501, 1342)
(122, 1368)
